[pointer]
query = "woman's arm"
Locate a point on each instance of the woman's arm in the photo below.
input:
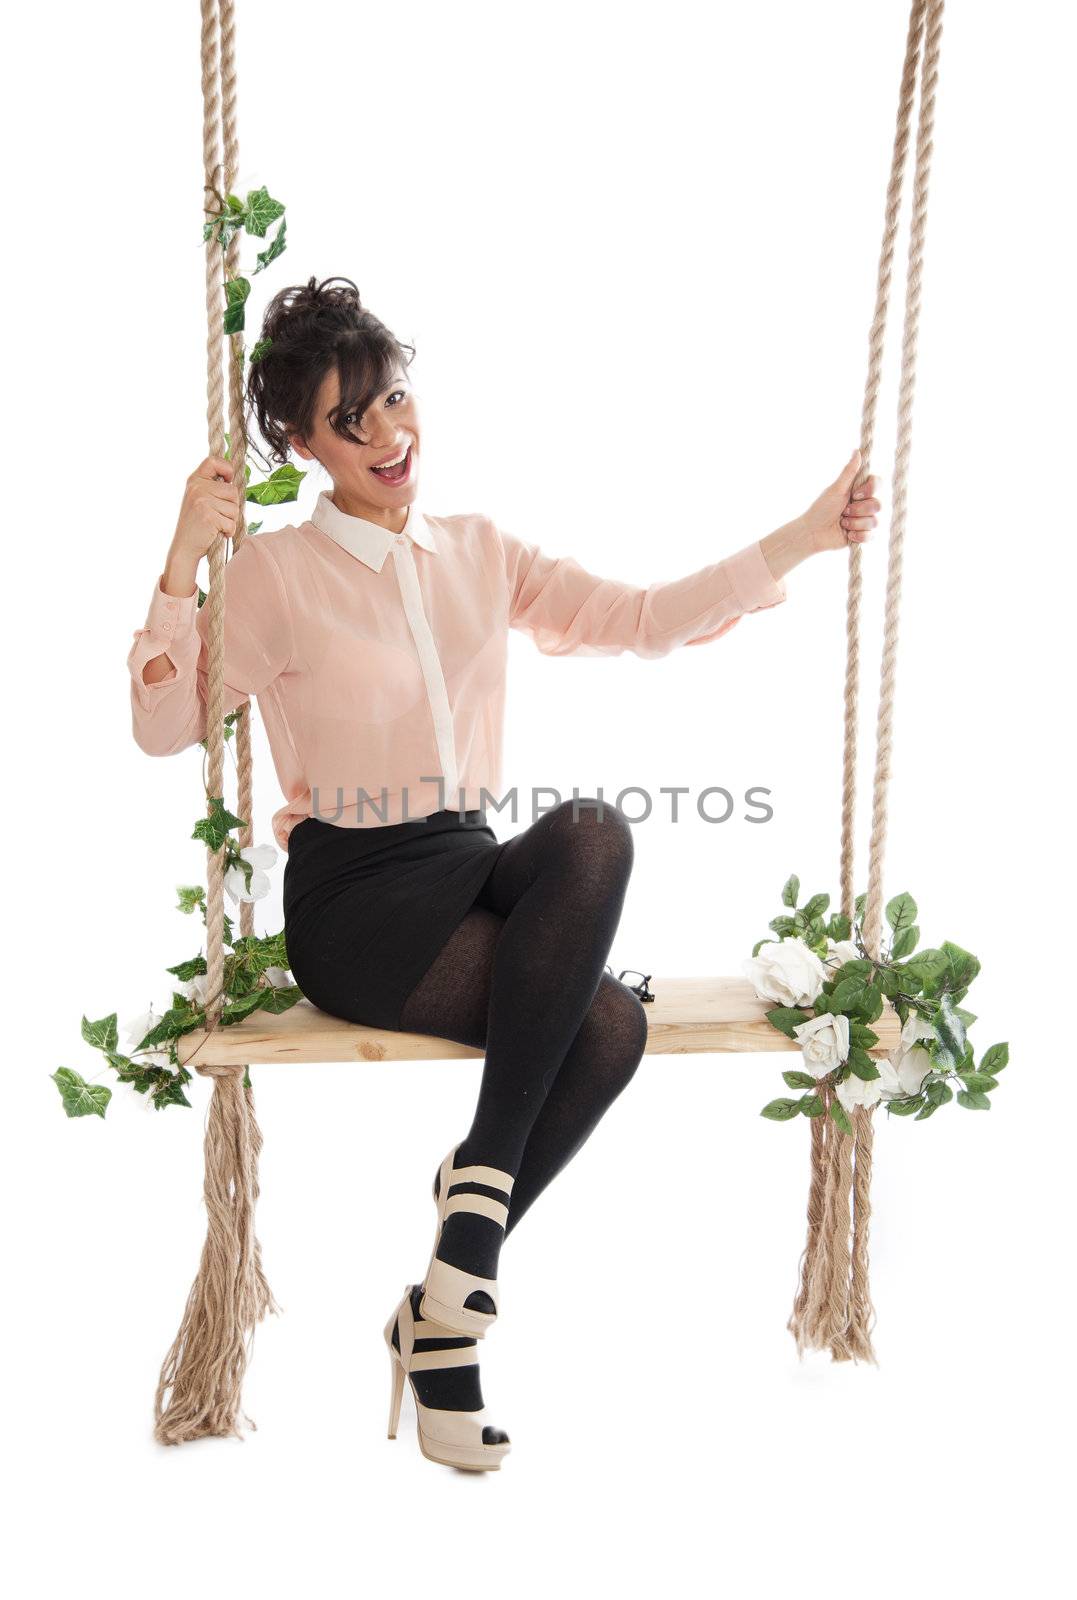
(570, 611)
(168, 660)
(178, 581)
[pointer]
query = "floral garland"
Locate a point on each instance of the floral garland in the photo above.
(256, 975)
(828, 990)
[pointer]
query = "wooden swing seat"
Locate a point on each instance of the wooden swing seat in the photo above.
(688, 1016)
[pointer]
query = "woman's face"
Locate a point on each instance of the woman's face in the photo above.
(388, 430)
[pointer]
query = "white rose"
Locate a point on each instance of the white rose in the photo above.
(824, 1042)
(910, 1062)
(841, 951)
(137, 1029)
(195, 988)
(279, 977)
(855, 1092)
(787, 973)
(259, 856)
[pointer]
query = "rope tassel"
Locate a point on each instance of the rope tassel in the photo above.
(199, 1391)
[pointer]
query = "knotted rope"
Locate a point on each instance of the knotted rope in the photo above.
(832, 1308)
(201, 1380)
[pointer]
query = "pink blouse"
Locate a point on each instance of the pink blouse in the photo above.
(382, 683)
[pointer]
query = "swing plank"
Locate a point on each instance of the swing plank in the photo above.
(688, 1016)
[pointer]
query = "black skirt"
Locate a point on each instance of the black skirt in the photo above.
(366, 910)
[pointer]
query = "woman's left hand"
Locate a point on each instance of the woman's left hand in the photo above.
(842, 516)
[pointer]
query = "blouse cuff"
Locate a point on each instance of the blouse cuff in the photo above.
(170, 614)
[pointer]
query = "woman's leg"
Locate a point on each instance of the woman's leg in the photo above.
(523, 975)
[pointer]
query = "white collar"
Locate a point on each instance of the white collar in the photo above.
(369, 540)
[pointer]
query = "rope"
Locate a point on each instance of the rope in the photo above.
(199, 1389)
(876, 340)
(833, 1305)
(903, 452)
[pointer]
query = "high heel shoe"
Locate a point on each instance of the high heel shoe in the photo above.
(447, 1288)
(464, 1439)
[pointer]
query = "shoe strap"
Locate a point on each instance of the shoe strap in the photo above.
(431, 1360)
(452, 1285)
(480, 1204)
(492, 1177)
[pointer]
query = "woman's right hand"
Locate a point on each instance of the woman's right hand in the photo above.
(210, 509)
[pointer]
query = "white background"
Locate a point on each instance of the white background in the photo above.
(636, 249)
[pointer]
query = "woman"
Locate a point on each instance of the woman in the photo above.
(374, 637)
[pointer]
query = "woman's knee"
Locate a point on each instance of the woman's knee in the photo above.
(618, 1026)
(595, 830)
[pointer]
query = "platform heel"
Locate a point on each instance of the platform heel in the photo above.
(463, 1439)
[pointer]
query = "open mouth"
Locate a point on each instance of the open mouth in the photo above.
(395, 474)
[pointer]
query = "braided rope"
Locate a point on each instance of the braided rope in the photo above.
(903, 452)
(214, 180)
(876, 341)
(200, 1386)
(833, 1304)
(237, 423)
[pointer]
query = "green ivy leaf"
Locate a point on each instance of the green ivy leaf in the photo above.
(81, 1099)
(170, 1093)
(102, 1035)
(811, 1105)
(817, 905)
(799, 1080)
(261, 210)
(790, 892)
(186, 970)
(973, 1100)
(782, 926)
(281, 486)
(277, 248)
(860, 1034)
(283, 999)
(236, 291)
(839, 927)
(214, 828)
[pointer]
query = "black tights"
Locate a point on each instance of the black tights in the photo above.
(523, 977)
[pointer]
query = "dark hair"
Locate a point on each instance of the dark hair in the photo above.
(312, 328)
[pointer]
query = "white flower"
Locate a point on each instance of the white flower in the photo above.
(855, 1092)
(786, 972)
(824, 1042)
(910, 1062)
(259, 856)
(137, 1029)
(841, 951)
(195, 988)
(279, 977)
